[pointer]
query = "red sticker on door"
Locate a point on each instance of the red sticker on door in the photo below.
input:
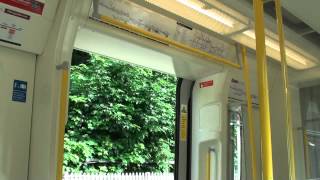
(28, 5)
(206, 84)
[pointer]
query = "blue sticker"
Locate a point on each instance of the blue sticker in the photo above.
(19, 93)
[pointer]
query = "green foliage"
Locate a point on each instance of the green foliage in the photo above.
(121, 116)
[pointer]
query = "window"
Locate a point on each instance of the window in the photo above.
(310, 109)
(236, 142)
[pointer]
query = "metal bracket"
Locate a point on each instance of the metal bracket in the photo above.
(65, 65)
(207, 5)
(300, 128)
(239, 31)
(95, 5)
(211, 149)
(248, 27)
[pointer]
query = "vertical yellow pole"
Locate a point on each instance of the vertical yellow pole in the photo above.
(62, 119)
(246, 76)
(306, 154)
(265, 127)
(208, 166)
(287, 101)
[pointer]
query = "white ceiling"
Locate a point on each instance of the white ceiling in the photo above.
(306, 10)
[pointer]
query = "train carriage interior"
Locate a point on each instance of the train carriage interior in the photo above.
(247, 102)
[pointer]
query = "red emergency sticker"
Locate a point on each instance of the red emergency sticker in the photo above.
(206, 84)
(28, 5)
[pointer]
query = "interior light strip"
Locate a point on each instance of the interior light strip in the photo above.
(275, 46)
(212, 14)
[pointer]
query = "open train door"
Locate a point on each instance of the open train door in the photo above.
(211, 128)
(202, 60)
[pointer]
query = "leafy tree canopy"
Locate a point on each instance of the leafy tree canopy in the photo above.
(121, 118)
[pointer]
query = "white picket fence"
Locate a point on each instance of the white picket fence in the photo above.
(123, 176)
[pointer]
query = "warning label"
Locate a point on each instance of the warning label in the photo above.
(184, 123)
(206, 84)
(9, 33)
(27, 5)
(12, 24)
(19, 93)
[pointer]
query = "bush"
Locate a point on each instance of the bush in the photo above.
(121, 118)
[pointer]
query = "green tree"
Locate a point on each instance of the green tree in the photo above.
(121, 118)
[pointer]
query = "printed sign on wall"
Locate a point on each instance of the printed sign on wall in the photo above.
(32, 6)
(238, 91)
(12, 25)
(183, 122)
(19, 93)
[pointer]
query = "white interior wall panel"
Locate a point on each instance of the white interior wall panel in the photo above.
(45, 118)
(15, 116)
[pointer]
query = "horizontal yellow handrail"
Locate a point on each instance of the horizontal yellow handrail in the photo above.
(169, 42)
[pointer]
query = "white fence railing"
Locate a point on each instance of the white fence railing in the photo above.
(123, 176)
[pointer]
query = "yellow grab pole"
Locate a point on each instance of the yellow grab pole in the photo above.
(306, 154)
(208, 166)
(265, 124)
(62, 119)
(246, 76)
(287, 101)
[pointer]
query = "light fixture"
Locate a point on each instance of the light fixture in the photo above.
(270, 43)
(226, 21)
(210, 13)
(202, 14)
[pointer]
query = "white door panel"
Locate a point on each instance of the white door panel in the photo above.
(15, 116)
